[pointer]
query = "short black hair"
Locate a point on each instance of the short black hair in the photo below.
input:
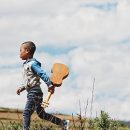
(30, 46)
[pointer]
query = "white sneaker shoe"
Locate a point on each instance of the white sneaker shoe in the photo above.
(65, 125)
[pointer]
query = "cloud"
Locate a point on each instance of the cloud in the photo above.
(70, 23)
(91, 38)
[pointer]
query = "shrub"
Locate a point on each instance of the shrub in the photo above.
(104, 122)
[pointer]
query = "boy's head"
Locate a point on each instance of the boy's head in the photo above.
(27, 50)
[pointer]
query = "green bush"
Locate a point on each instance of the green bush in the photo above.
(104, 122)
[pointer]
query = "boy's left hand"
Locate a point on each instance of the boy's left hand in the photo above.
(51, 89)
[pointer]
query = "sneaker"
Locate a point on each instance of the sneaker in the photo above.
(65, 125)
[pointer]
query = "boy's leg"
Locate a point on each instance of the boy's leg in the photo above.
(29, 109)
(49, 117)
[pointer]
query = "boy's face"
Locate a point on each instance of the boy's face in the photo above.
(24, 52)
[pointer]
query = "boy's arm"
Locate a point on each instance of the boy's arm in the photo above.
(36, 68)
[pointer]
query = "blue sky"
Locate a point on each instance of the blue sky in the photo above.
(92, 37)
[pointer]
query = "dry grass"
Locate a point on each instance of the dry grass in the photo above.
(18, 116)
(8, 116)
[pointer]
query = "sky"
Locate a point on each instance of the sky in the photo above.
(92, 37)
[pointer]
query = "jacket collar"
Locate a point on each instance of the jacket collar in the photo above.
(28, 60)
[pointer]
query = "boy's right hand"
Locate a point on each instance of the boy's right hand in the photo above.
(51, 89)
(18, 91)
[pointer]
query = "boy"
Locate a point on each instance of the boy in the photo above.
(32, 73)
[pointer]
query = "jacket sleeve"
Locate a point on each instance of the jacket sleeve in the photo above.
(36, 68)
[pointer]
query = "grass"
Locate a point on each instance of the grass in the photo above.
(11, 119)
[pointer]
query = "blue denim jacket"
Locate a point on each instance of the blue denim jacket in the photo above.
(32, 72)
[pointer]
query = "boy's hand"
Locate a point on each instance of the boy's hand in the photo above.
(19, 90)
(51, 89)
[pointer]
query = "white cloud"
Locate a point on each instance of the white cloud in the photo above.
(99, 48)
(67, 23)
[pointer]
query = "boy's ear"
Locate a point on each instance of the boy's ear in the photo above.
(27, 50)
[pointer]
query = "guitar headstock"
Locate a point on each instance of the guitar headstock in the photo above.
(45, 104)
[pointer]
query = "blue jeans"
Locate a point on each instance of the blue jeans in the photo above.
(34, 100)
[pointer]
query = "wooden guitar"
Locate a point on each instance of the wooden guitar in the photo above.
(59, 72)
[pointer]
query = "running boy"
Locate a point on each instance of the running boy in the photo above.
(32, 72)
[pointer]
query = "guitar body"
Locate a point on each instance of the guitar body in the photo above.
(59, 72)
